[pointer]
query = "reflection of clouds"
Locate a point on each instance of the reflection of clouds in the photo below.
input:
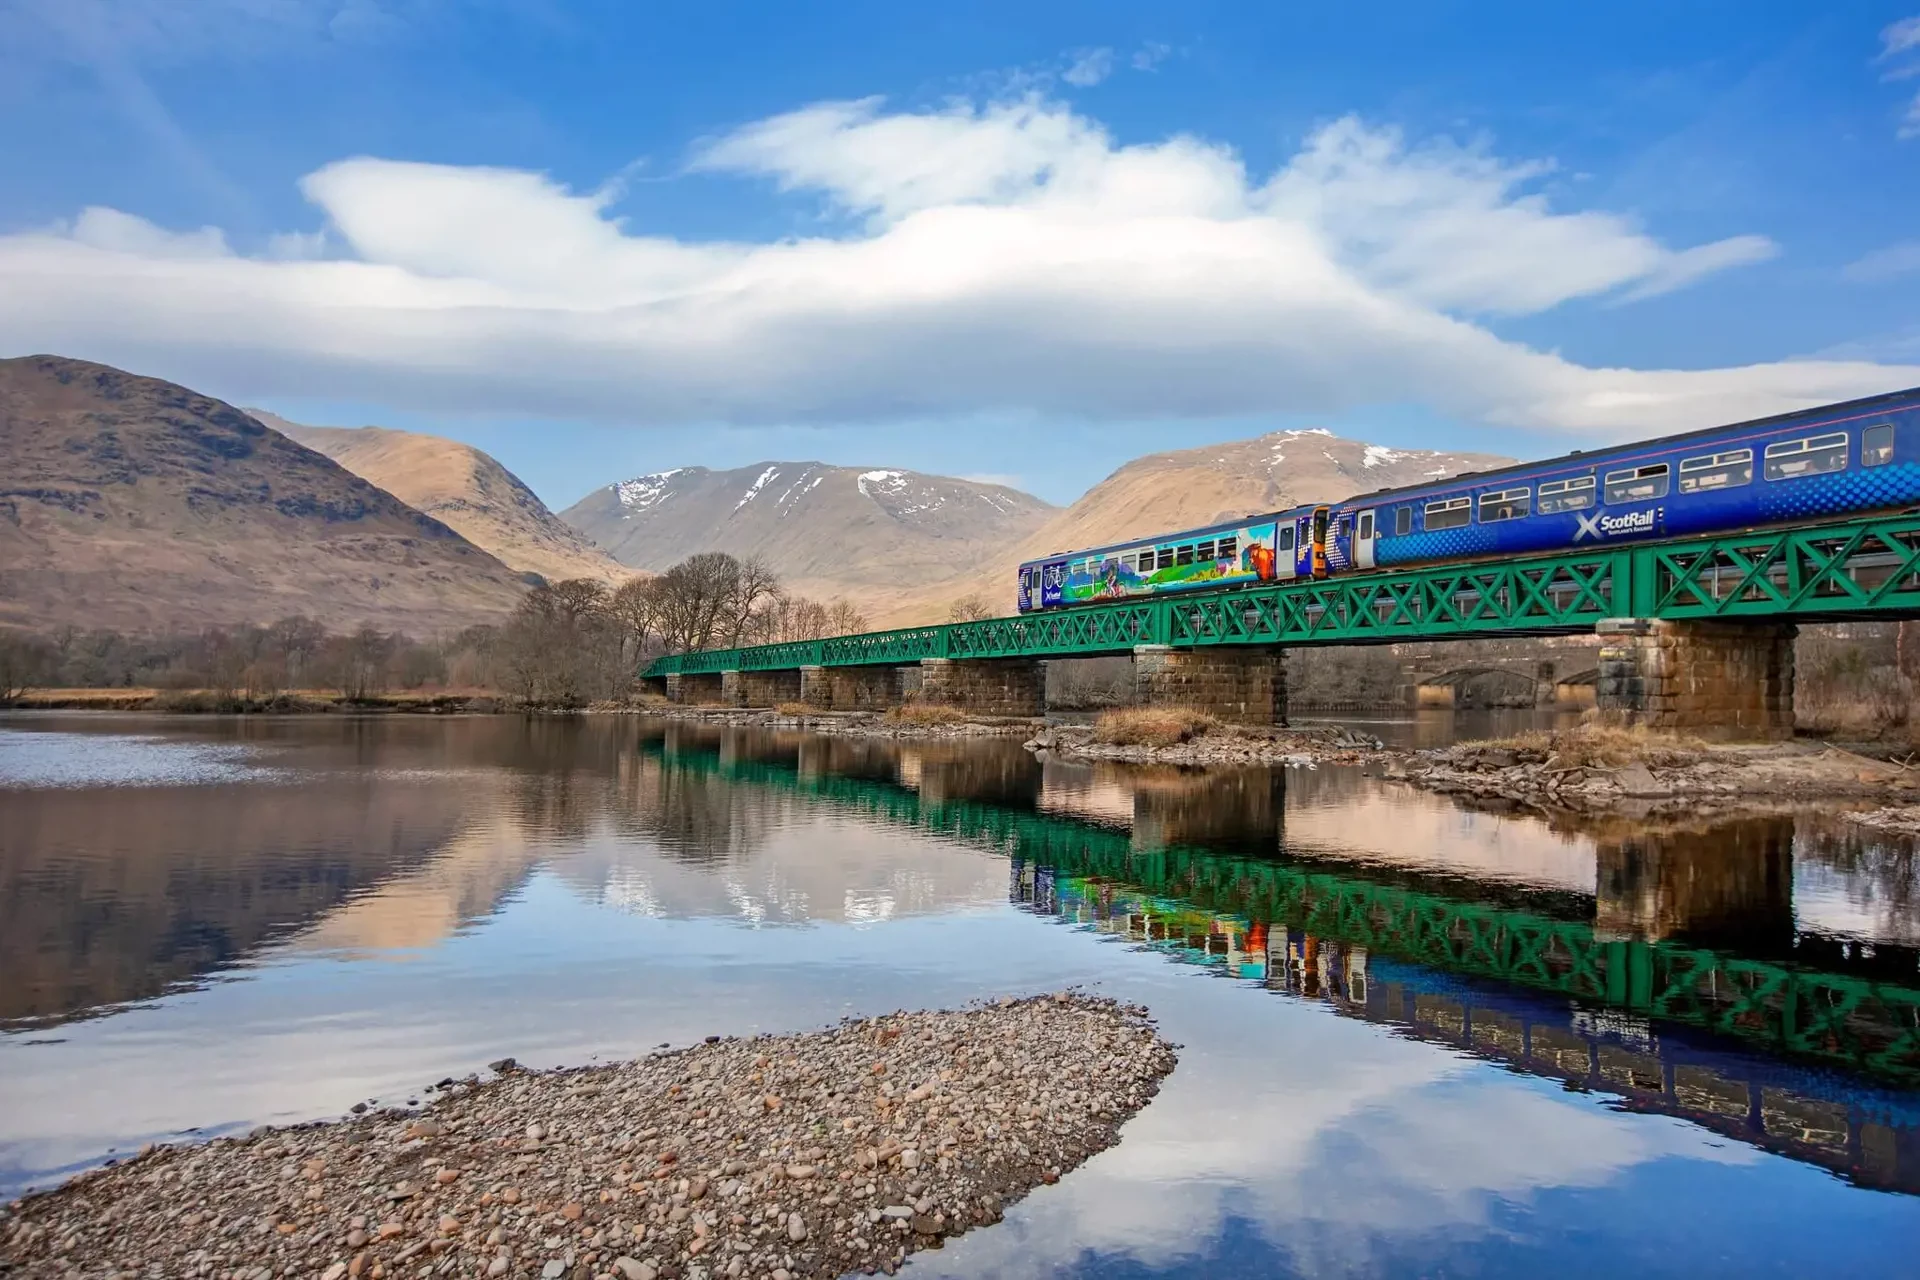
(1408, 828)
(812, 866)
(1335, 1141)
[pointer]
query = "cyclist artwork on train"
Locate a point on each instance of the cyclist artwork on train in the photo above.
(1856, 458)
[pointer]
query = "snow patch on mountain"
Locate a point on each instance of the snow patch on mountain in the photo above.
(753, 490)
(641, 492)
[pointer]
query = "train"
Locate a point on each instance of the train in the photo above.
(1860, 457)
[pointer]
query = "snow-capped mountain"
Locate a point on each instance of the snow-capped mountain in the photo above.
(813, 523)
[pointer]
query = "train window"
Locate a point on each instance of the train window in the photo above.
(1184, 555)
(1366, 526)
(1403, 521)
(1876, 445)
(1711, 471)
(1811, 456)
(1504, 504)
(1637, 484)
(1203, 551)
(1449, 513)
(1284, 542)
(1227, 548)
(1566, 495)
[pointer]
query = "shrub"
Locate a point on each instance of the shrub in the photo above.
(1152, 726)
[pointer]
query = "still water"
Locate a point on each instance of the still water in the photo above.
(1417, 1039)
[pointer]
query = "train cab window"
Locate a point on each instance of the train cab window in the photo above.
(1403, 521)
(1712, 471)
(1637, 484)
(1812, 456)
(1204, 551)
(1566, 495)
(1449, 513)
(1284, 541)
(1876, 445)
(1227, 548)
(1184, 555)
(1504, 504)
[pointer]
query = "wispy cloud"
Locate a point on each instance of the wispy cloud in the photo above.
(1088, 67)
(1884, 264)
(1899, 44)
(1150, 55)
(1008, 256)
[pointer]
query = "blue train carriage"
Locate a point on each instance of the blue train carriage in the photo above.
(1847, 459)
(1264, 548)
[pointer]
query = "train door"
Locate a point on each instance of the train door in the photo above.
(1027, 575)
(1320, 542)
(1303, 546)
(1363, 532)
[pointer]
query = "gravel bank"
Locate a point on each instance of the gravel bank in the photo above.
(1227, 746)
(1670, 775)
(807, 1155)
(845, 724)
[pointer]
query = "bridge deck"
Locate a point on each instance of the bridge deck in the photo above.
(1856, 569)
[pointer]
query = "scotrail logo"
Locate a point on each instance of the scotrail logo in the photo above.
(1602, 525)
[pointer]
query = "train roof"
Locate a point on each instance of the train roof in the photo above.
(1471, 479)
(1224, 526)
(1618, 452)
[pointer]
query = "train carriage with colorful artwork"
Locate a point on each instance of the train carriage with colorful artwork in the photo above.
(1856, 458)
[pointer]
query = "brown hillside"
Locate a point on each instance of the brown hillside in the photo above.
(465, 489)
(1162, 492)
(825, 530)
(133, 503)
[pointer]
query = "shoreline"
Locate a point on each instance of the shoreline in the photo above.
(812, 1154)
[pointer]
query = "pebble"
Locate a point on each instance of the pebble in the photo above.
(663, 1168)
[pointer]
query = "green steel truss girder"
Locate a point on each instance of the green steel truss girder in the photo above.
(1865, 1025)
(1863, 567)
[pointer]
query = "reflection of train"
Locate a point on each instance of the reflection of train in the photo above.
(1866, 1133)
(1846, 459)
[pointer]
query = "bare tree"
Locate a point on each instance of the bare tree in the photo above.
(844, 619)
(970, 608)
(24, 663)
(297, 642)
(753, 585)
(635, 609)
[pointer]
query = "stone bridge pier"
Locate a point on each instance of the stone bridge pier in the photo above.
(1237, 685)
(759, 688)
(1014, 687)
(1711, 679)
(694, 688)
(850, 688)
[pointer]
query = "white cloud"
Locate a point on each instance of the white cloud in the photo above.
(1088, 68)
(1150, 55)
(1011, 257)
(1884, 264)
(1897, 40)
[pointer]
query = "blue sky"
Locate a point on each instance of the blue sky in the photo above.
(1026, 241)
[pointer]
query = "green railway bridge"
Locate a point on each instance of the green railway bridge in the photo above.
(1696, 634)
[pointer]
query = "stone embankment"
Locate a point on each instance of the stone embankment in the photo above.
(1652, 772)
(777, 1156)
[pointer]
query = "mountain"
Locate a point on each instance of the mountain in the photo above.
(133, 503)
(825, 530)
(466, 490)
(1163, 492)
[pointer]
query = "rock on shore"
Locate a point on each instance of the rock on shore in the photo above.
(1328, 744)
(778, 1156)
(1657, 773)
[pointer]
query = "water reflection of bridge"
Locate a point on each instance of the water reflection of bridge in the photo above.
(1687, 948)
(1867, 1133)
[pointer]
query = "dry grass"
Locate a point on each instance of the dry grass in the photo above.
(1152, 726)
(926, 714)
(1600, 746)
(797, 709)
